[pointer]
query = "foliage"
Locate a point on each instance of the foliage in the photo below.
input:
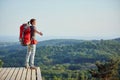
(106, 70)
(63, 59)
(1, 63)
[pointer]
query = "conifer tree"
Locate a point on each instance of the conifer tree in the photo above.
(1, 63)
(106, 70)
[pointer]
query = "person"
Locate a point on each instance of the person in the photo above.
(31, 48)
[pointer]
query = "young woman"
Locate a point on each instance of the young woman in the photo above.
(31, 49)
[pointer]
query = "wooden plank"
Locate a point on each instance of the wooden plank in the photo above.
(5, 74)
(18, 77)
(33, 74)
(14, 74)
(20, 74)
(0, 69)
(2, 72)
(23, 76)
(28, 75)
(10, 74)
(38, 74)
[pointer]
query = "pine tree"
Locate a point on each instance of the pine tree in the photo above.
(1, 63)
(106, 70)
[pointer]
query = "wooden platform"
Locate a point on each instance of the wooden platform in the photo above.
(20, 74)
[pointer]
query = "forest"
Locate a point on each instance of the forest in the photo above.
(68, 59)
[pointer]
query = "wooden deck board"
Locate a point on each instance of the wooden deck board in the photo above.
(0, 69)
(14, 74)
(18, 77)
(23, 77)
(2, 72)
(38, 74)
(28, 76)
(10, 74)
(20, 74)
(33, 74)
(5, 74)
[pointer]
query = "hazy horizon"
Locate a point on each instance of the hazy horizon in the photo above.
(16, 38)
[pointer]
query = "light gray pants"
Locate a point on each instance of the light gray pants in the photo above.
(31, 49)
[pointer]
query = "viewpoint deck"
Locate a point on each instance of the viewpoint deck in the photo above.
(20, 74)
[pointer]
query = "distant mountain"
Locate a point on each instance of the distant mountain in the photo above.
(7, 44)
(57, 42)
(43, 38)
(117, 39)
(65, 50)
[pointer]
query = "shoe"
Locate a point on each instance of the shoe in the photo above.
(33, 67)
(27, 66)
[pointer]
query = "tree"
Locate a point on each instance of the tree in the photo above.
(56, 78)
(1, 63)
(106, 70)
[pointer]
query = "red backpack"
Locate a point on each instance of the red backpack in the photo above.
(25, 34)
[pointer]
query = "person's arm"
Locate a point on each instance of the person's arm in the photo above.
(40, 33)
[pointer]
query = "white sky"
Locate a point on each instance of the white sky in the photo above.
(86, 18)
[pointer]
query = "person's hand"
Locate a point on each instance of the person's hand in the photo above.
(41, 33)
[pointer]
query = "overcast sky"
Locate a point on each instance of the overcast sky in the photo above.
(85, 18)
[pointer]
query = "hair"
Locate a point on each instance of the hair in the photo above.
(28, 22)
(32, 20)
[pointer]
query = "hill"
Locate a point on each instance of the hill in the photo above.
(60, 51)
(63, 56)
